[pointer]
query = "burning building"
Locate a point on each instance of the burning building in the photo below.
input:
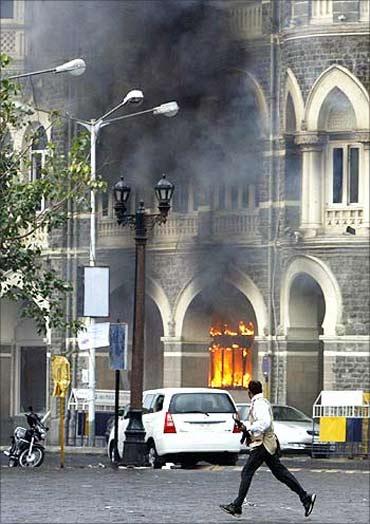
(266, 250)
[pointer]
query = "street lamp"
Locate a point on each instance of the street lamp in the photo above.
(93, 126)
(74, 67)
(134, 452)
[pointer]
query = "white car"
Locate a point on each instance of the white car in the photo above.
(292, 427)
(186, 425)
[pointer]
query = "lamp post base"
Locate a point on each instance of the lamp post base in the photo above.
(134, 449)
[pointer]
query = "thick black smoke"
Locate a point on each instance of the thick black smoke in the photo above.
(179, 50)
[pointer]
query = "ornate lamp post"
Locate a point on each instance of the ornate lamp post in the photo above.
(134, 453)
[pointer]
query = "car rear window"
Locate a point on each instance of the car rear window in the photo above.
(201, 403)
(243, 411)
(289, 414)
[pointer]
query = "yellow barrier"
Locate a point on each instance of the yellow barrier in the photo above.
(332, 429)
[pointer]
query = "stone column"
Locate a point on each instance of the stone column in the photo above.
(364, 181)
(172, 362)
(311, 145)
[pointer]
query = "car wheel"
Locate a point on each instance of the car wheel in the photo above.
(188, 464)
(153, 458)
(229, 459)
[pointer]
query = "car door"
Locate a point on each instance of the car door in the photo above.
(155, 417)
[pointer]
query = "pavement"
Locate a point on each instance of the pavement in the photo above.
(89, 490)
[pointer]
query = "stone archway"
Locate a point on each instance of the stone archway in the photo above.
(236, 278)
(157, 314)
(310, 307)
(322, 274)
(228, 300)
(304, 373)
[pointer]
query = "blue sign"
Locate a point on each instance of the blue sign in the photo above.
(118, 334)
(266, 365)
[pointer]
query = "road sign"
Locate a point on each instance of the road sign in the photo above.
(118, 335)
(266, 365)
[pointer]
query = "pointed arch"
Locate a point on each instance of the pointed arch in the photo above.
(261, 101)
(36, 119)
(292, 88)
(325, 278)
(157, 294)
(341, 78)
(236, 278)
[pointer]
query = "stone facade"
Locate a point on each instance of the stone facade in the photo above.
(287, 258)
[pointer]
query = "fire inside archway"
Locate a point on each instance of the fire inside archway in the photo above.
(231, 356)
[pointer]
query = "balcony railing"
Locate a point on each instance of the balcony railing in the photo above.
(246, 20)
(234, 226)
(239, 225)
(340, 217)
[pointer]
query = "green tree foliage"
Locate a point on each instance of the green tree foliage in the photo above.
(24, 274)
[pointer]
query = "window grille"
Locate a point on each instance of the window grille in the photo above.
(321, 10)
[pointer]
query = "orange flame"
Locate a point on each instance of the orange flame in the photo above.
(246, 329)
(243, 329)
(230, 362)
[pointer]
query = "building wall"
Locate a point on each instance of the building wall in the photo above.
(262, 250)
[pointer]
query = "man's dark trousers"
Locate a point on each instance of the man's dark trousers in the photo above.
(257, 457)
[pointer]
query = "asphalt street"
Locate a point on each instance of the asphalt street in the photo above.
(88, 490)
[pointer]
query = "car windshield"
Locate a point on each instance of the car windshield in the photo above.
(243, 411)
(201, 403)
(289, 414)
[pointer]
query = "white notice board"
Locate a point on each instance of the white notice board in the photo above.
(96, 292)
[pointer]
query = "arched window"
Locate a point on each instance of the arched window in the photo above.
(335, 151)
(338, 119)
(38, 157)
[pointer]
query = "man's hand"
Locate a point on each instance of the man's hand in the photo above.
(246, 434)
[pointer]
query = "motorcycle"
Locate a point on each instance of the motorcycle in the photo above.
(26, 449)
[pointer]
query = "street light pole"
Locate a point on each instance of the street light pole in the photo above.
(93, 126)
(134, 451)
(92, 261)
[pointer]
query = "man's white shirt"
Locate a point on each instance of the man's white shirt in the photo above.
(260, 413)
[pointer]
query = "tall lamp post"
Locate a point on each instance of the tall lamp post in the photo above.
(134, 453)
(93, 126)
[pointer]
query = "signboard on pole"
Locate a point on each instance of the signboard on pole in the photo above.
(61, 373)
(266, 365)
(95, 336)
(118, 335)
(93, 291)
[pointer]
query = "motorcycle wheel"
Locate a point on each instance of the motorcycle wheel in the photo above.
(36, 459)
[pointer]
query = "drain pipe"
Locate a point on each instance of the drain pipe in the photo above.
(272, 232)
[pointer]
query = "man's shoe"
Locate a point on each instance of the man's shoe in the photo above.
(309, 504)
(231, 509)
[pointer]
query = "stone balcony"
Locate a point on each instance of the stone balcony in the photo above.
(204, 225)
(342, 217)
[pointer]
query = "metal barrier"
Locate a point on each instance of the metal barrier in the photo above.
(342, 420)
(78, 406)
